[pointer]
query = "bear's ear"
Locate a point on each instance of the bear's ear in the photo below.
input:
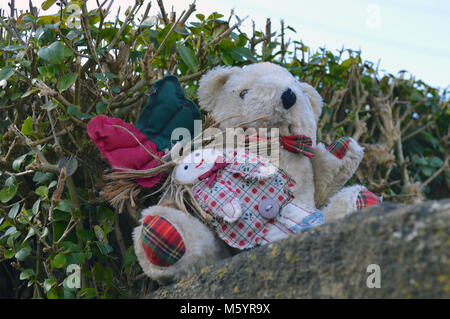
(314, 97)
(211, 84)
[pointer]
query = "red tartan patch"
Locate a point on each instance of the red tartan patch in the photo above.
(162, 243)
(339, 148)
(366, 199)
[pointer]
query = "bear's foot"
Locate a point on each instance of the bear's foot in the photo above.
(366, 199)
(348, 200)
(169, 244)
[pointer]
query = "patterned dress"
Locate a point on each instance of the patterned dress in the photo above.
(234, 197)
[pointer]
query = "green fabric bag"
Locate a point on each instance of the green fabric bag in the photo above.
(167, 109)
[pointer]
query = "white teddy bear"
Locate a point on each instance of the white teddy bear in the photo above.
(233, 95)
(170, 243)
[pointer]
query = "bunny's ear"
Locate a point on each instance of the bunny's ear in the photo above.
(211, 84)
(314, 97)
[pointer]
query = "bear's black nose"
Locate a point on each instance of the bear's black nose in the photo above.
(288, 98)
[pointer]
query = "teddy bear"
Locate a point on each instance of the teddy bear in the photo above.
(170, 243)
(272, 95)
(243, 197)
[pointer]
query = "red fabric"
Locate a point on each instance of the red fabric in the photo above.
(298, 144)
(212, 173)
(162, 243)
(121, 149)
(366, 199)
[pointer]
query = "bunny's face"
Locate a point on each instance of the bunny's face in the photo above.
(195, 164)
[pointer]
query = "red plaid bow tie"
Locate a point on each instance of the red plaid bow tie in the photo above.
(212, 173)
(293, 143)
(298, 144)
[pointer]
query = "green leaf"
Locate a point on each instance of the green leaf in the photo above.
(9, 253)
(226, 45)
(8, 193)
(29, 92)
(26, 274)
(44, 233)
(18, 161)
(188, 57)
(40, 177)
(27, 126)
(86, 293)
(14, 211)
(105, 249)
(85, 234)
(30, 234)
(6, 72)
(55, 53)
(66, 81)
(42, 191)
(115, 89)
(23, 253)
(245, 53)
(100, 107)
(70, 164)
(10, 181)
(35, 208)
(100, 76)
(100, 234)
(72, 110)
(59, 261)
(48, 284)
(110, 75)
(53, 293)
(181, 30)
(130, 256)
(47, 4)
(436, 162)
(65, 206)
(10, 231)
(427, 171)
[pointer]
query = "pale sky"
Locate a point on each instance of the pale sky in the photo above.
(404, 35)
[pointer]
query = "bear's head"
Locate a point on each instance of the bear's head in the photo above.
(236, 95)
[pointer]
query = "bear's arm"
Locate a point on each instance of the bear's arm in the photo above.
(333, 166)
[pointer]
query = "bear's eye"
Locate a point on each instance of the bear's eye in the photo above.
(242, 94)
(186, 167)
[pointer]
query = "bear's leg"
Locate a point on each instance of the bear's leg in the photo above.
(169, 244)
(333, 166)
(348, 200)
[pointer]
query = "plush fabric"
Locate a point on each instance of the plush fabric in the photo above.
(366, 199)
(167, 109)
(121, 149)
(339, 148)
(162, 243)
(331, 173)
